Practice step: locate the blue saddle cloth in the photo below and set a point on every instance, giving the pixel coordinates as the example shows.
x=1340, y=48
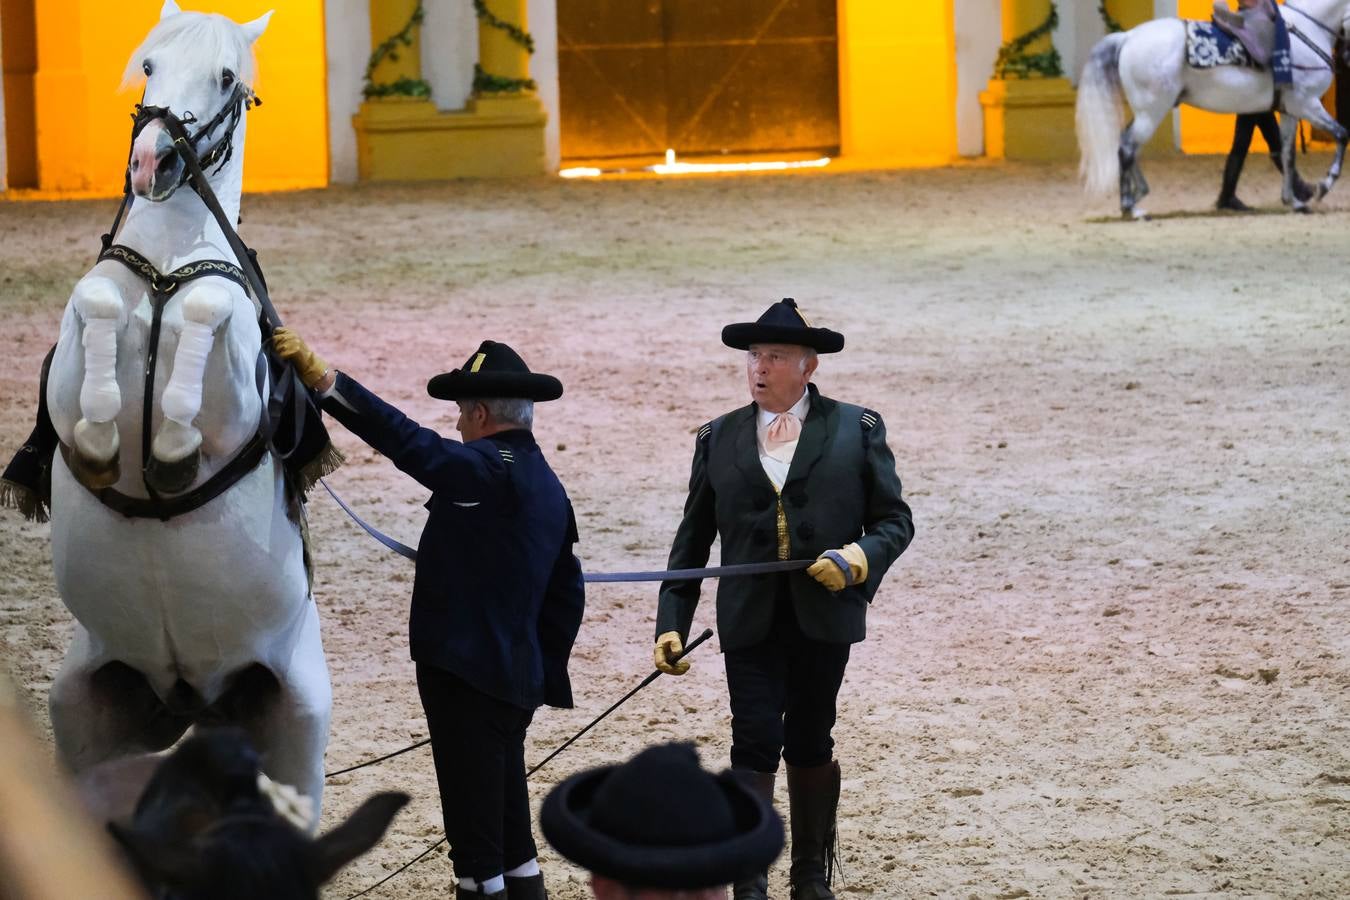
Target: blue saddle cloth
x=1207, y=46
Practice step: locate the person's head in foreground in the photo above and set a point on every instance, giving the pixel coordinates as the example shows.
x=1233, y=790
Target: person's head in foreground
x=660, y=827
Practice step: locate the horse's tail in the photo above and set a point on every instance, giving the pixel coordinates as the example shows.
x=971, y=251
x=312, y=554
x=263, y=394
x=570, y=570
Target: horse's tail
x=1101, y=116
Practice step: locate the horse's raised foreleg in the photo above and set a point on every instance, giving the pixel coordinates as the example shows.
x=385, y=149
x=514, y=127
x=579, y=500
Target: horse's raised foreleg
x=99, y=305
x=176, y=449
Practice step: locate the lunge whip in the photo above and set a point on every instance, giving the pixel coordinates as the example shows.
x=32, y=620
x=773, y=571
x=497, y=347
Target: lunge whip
x=657, y=673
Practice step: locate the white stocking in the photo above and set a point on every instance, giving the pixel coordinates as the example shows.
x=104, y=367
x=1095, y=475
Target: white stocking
x=182, y=398
x=100, y=397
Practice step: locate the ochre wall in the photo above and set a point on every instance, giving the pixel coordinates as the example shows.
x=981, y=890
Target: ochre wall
x=83, y=122
x=897, y=81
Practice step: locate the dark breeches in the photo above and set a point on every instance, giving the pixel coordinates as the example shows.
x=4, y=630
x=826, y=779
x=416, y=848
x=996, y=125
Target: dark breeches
x=783, y=693
x=1247, y=123
x=478, y=744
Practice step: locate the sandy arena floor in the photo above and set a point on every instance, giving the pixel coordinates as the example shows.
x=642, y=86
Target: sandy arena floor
x=1113, y=662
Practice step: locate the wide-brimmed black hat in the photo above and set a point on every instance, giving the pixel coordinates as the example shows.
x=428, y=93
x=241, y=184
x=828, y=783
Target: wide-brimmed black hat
x=494, y=371
x=782, y=323
x=661, y=821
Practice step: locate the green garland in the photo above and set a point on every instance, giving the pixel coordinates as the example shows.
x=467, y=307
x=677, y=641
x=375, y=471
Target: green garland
x=1014, y=61
x=519, y=35
x=485, y=82
x=1112, y=26
x=403, y=87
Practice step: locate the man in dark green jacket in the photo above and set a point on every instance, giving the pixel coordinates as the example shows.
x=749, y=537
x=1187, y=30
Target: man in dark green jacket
x=794, y=475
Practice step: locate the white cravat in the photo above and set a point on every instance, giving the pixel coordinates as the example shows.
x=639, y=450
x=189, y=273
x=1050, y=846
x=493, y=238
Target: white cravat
x=777, y=463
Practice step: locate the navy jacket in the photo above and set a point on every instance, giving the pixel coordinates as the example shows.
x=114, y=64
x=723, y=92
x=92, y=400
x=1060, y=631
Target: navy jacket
x=498, y=595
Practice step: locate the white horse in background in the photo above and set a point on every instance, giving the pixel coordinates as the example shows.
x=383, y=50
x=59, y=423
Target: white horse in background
x=1147, y=64
x=205, y=616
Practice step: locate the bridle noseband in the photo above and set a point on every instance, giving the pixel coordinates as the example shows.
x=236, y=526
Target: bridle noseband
x=241, y=99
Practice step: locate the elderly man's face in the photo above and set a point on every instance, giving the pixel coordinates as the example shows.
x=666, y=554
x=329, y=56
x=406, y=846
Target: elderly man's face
x=778, y=374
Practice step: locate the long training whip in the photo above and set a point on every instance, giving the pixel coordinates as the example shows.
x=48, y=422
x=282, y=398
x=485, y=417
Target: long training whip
x=656, y=673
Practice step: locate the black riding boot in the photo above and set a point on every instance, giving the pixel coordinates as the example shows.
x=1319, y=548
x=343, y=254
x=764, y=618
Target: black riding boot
x=813, y=793
x=526, y=887
x=1232, y=170
x=756, y=888
x=462, y=894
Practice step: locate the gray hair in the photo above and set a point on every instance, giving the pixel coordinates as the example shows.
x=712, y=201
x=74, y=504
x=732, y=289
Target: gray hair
x=808, y=354
x=510, y=411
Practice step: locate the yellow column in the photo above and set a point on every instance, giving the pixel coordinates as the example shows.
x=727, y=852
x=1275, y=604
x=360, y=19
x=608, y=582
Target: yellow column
x=498, y=53
x=1031, y=117
x=388, y=18
x=407, y=139
x=1021, y=17
x=882, y=45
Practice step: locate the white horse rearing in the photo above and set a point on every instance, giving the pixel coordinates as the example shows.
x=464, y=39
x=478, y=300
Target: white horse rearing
x=206, y=615
x=1148, y=65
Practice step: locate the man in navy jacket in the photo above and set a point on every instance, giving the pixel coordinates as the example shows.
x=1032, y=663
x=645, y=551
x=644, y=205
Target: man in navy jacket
x=497, y=598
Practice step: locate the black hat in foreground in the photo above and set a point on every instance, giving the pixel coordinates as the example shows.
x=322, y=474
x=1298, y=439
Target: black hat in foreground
x=494, y=371
x=782, y=323
x=661, y=821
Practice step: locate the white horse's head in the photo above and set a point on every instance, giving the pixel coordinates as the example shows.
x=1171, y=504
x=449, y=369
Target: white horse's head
x=196, y=66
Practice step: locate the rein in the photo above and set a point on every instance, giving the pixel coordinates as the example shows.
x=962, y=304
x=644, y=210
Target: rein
x=1308, y=42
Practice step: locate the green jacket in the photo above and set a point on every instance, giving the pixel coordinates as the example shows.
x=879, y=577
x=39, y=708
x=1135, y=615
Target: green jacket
x=842, y=487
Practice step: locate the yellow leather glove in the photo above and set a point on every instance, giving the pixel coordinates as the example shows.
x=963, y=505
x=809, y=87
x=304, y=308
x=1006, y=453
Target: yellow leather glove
x=669, y=646
x=308, y=365
x=837, y=569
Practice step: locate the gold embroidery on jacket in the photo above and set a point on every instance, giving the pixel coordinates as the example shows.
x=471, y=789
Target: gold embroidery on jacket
x=784, y=539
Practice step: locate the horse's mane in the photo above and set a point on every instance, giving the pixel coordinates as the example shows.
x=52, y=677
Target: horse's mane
x=209, y=40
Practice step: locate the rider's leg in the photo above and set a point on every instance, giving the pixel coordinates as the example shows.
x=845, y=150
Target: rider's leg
x=1237, y=157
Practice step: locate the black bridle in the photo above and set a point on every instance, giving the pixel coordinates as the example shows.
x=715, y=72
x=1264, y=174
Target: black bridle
x=241, y=100
x=286, y=391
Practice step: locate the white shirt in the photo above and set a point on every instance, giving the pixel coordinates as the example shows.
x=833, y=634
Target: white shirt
x=776, y=466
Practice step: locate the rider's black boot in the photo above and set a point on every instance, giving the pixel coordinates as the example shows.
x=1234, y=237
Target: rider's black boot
x=1232, y=170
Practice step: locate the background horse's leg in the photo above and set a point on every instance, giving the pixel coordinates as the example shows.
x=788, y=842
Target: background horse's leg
x=105, y=711
x=177, y=445
x=100, y=311
x=290, y=726
x=1133, y=186
x=1318, y=116
x=1288, y=152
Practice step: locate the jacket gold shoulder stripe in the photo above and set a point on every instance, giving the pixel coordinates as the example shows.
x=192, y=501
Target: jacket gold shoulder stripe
x=704, y=432
x=869, y=420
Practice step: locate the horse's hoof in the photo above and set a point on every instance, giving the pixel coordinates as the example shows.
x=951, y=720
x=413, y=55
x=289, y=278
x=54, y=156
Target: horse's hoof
x=94, y=456
x=172, y=477
x=175, y=456
x=1140, y=215
x=1302, y=208
x=95, y=474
